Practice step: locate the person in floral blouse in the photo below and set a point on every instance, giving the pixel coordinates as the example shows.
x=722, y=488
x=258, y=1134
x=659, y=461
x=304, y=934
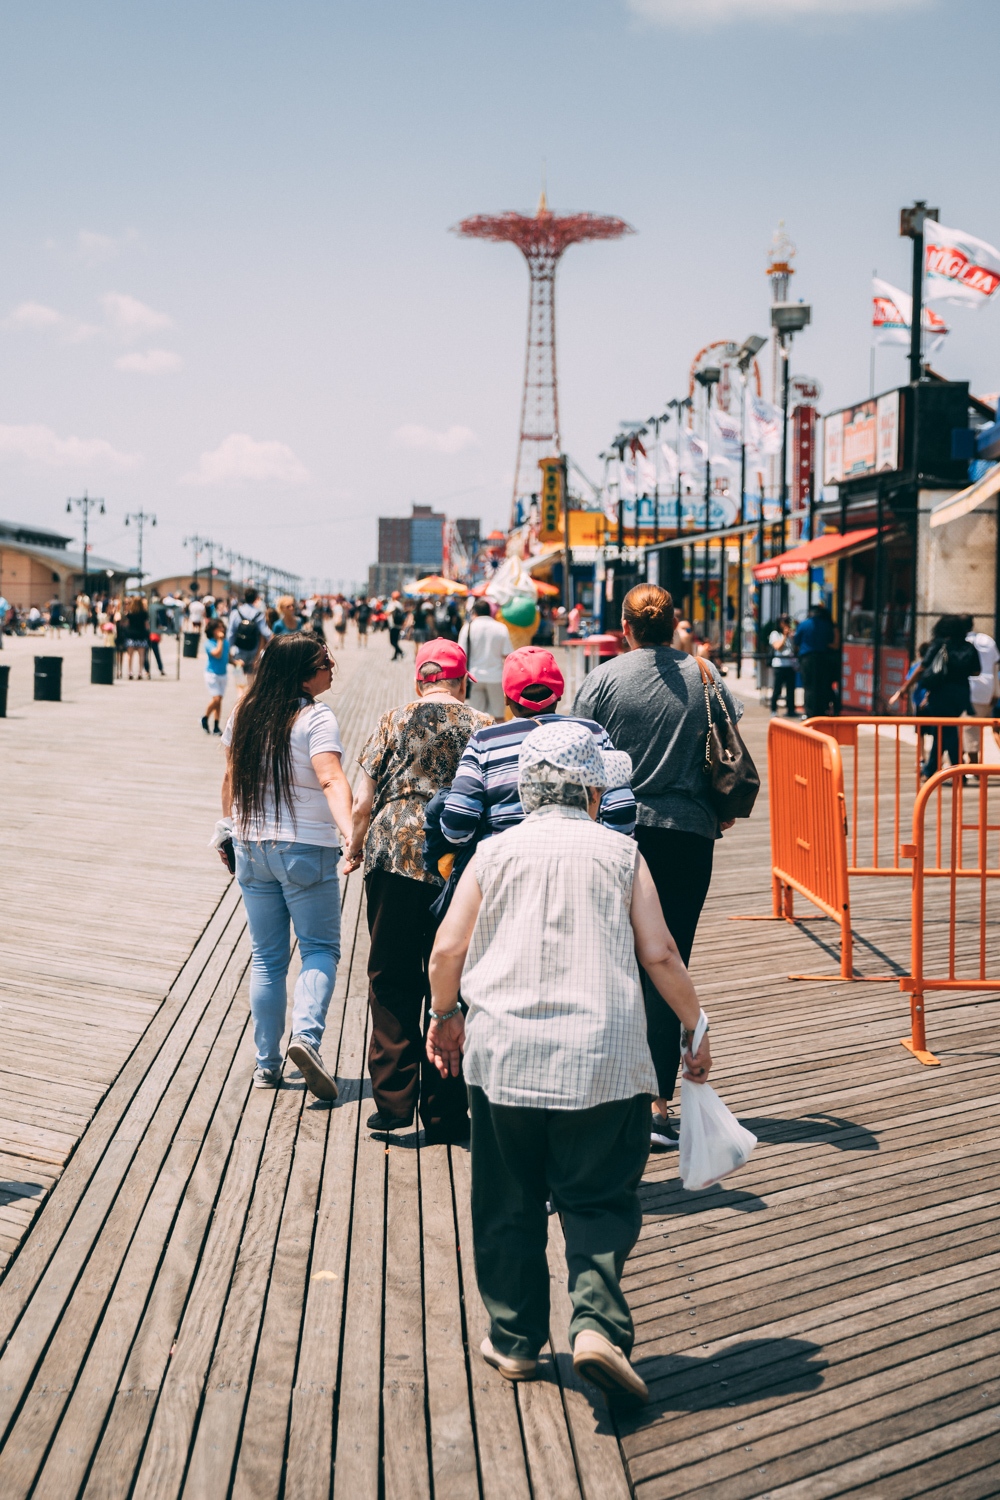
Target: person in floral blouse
x=412, y=753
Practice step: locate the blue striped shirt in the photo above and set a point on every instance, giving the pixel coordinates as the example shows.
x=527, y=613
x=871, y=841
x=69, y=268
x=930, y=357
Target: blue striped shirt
x=486, y=781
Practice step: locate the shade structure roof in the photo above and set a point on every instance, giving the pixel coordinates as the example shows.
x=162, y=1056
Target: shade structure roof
x=435, y=584
x=820, y=549
x=966, y=500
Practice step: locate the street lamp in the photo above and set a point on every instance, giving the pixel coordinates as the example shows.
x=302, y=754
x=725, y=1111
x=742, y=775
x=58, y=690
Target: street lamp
x=745, y=356
x=707, y=379
x=656, y=423
x=140, y=517
x=86, y=503
x=787, y=319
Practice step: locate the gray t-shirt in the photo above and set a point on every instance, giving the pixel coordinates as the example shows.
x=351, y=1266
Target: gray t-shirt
x=652, y=704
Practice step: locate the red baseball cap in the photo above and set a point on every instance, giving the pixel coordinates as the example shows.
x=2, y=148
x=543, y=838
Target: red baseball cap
x=448, y=655
x=532, y=666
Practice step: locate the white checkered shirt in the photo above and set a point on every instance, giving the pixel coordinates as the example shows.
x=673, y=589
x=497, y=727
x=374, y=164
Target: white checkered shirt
x=556, y=1018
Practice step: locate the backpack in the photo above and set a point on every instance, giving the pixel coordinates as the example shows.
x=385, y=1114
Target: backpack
x=954, y=661
x=246, y=636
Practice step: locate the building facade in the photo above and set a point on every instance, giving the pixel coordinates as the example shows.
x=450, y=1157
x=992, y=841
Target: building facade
x=38, y=565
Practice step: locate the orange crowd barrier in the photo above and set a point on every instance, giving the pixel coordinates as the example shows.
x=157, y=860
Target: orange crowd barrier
x=957, y=852
x=883, y=777
x=808, y=827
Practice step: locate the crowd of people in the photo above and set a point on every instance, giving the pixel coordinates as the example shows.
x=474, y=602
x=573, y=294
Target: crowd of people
x=528, y=986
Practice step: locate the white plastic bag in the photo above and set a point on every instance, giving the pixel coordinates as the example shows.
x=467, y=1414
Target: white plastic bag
x=713, y=1142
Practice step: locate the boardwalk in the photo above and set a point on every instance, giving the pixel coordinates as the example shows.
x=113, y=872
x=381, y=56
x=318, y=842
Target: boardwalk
x=235, y=1292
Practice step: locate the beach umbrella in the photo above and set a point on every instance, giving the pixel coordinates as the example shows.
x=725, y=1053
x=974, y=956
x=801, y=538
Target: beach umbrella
x=435, y=584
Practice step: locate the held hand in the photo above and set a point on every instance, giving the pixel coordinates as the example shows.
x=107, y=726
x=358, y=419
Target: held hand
x=222, y=856
x=352, y=860
x=445, y=1044
x=726, y=826
x=697, y=1066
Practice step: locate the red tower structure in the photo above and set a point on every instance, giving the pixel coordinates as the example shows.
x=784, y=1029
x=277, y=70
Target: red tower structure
x=542, y=239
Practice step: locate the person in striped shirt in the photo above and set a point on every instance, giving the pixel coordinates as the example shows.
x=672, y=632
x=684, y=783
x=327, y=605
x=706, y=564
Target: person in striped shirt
x=486, y=780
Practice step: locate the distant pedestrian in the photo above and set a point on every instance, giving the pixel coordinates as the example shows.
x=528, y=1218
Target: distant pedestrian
x=651, y=701
x=339, y=624
x=784, y=666
x=216, y=673
x=684, y=637
x=362, y=618
x=396, y=615
x=286, y=795
x=137, y=636
x=288, y=618
x=412, y=753
x=949, y=662
x=984, y=685
x=542, y=937
x=247, y=633
x=813, y=646
x=486, y=643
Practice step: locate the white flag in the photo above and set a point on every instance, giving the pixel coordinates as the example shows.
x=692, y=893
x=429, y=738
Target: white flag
x=668, y=465
x=958, y=267
x=892, y=313
x=763, y=422
x=627, y=477
x=646, y=473
x=726, y=440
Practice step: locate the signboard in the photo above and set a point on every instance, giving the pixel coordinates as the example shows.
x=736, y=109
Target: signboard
x=862, y=439
x=804, y=390
x=856, y=685
x=550, y=527
x=803, y=452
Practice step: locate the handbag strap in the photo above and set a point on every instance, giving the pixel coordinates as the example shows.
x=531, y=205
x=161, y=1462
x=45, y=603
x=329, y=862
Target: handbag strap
x=707, y=677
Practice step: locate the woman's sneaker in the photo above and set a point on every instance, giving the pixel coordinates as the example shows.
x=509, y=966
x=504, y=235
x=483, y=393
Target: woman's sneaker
x=309, y=1063
x=664, y=1133
x=266, y=1078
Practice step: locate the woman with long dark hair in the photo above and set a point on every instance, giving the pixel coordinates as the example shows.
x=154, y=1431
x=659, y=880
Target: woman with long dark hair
x=287, y=795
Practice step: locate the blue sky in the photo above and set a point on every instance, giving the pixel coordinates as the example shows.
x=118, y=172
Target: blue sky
x=228, y=292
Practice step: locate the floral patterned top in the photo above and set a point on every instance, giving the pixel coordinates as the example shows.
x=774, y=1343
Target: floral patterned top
x=412, y=753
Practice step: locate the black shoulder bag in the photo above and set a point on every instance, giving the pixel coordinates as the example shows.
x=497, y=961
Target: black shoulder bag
x=733, y=782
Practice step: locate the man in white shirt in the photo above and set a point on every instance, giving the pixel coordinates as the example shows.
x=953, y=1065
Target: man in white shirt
x=983, y=688
x=196, y=613
x=486, y=643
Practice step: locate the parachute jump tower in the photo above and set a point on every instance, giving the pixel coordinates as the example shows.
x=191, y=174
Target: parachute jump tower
x=542, y=239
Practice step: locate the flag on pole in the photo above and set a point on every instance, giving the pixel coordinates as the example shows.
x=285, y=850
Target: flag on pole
x=892, y=313
x=726, y=440
x=668, y=461
x=958, y=267
x=763, y=427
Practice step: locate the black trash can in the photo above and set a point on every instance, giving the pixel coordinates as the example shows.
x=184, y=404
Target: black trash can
x=191, y=641
x=102, y=665
x=4, y=677
x=48, y=679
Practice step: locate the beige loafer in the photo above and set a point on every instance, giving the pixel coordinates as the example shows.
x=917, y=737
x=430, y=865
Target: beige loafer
x=509, y=1365
x=598, y=1360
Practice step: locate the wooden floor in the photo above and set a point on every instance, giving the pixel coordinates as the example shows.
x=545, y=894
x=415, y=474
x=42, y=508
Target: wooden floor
x=236, y=1292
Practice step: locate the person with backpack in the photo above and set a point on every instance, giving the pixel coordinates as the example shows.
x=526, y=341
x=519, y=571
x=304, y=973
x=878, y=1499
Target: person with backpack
x=248, y=633
x=949, y=661
x=396, y=615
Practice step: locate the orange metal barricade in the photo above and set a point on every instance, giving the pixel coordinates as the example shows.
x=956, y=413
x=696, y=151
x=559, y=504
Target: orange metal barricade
x=883, y=780
x=808, y=826
x=962, y=864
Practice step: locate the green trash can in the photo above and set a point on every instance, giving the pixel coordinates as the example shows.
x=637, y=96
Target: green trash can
x=102, y=665
x=191, y=642
x=48, y=679
x=4, y=678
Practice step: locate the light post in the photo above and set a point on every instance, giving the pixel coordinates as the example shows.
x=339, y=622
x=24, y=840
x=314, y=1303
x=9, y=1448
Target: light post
x=787, y=319
x=140, y=517
x=748, y=352
x=911, y=226
x=198, y=545
x=86, y=504
x=679, y=406
x=707, y=378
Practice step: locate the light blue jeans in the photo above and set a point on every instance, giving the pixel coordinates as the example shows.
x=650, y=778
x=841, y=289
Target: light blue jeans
x=279, y=882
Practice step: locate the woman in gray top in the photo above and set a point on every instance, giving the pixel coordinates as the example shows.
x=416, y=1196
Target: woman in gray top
x=651, y=701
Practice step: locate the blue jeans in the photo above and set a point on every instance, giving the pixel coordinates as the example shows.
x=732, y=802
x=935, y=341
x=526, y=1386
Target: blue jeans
x=297, y=881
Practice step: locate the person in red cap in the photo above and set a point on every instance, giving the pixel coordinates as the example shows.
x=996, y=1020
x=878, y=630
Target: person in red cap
x=413, y=753
x=484, y=798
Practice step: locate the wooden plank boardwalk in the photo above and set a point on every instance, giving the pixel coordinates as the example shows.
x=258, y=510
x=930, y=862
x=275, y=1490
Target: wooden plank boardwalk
x=231, y=1292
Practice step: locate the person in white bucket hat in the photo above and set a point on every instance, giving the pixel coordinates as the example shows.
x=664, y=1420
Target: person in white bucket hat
x=542, y=937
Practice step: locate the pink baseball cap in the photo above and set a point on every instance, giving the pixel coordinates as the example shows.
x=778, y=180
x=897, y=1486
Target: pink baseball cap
x=448, y=655
x=532, y=666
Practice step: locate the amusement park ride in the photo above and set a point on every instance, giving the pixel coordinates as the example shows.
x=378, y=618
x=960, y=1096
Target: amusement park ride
x=542, y=239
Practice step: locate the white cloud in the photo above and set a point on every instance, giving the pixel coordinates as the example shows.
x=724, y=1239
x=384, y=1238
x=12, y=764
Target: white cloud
x=718, y=12
x=241, y=457
x=452, y=440
x=132, y=318
x=36, y=317
x=40, y=446
x=153, y=362
x=92, y=248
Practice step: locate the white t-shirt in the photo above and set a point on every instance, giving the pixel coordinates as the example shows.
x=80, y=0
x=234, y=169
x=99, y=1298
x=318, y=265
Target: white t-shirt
x=486, y=643
x=983, y=689
x=196, y=612
x=315, y=730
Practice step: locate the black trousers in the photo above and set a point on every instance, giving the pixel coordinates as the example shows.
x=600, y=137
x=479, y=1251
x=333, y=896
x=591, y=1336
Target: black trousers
x=402, y=935
x=817, y=677
x=681, y=867
x=394, y=633
x=784, y=682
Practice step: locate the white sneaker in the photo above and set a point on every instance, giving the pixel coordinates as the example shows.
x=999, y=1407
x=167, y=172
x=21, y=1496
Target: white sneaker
x=509, y=1365
x=601, y=1362
x=663, y=1133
